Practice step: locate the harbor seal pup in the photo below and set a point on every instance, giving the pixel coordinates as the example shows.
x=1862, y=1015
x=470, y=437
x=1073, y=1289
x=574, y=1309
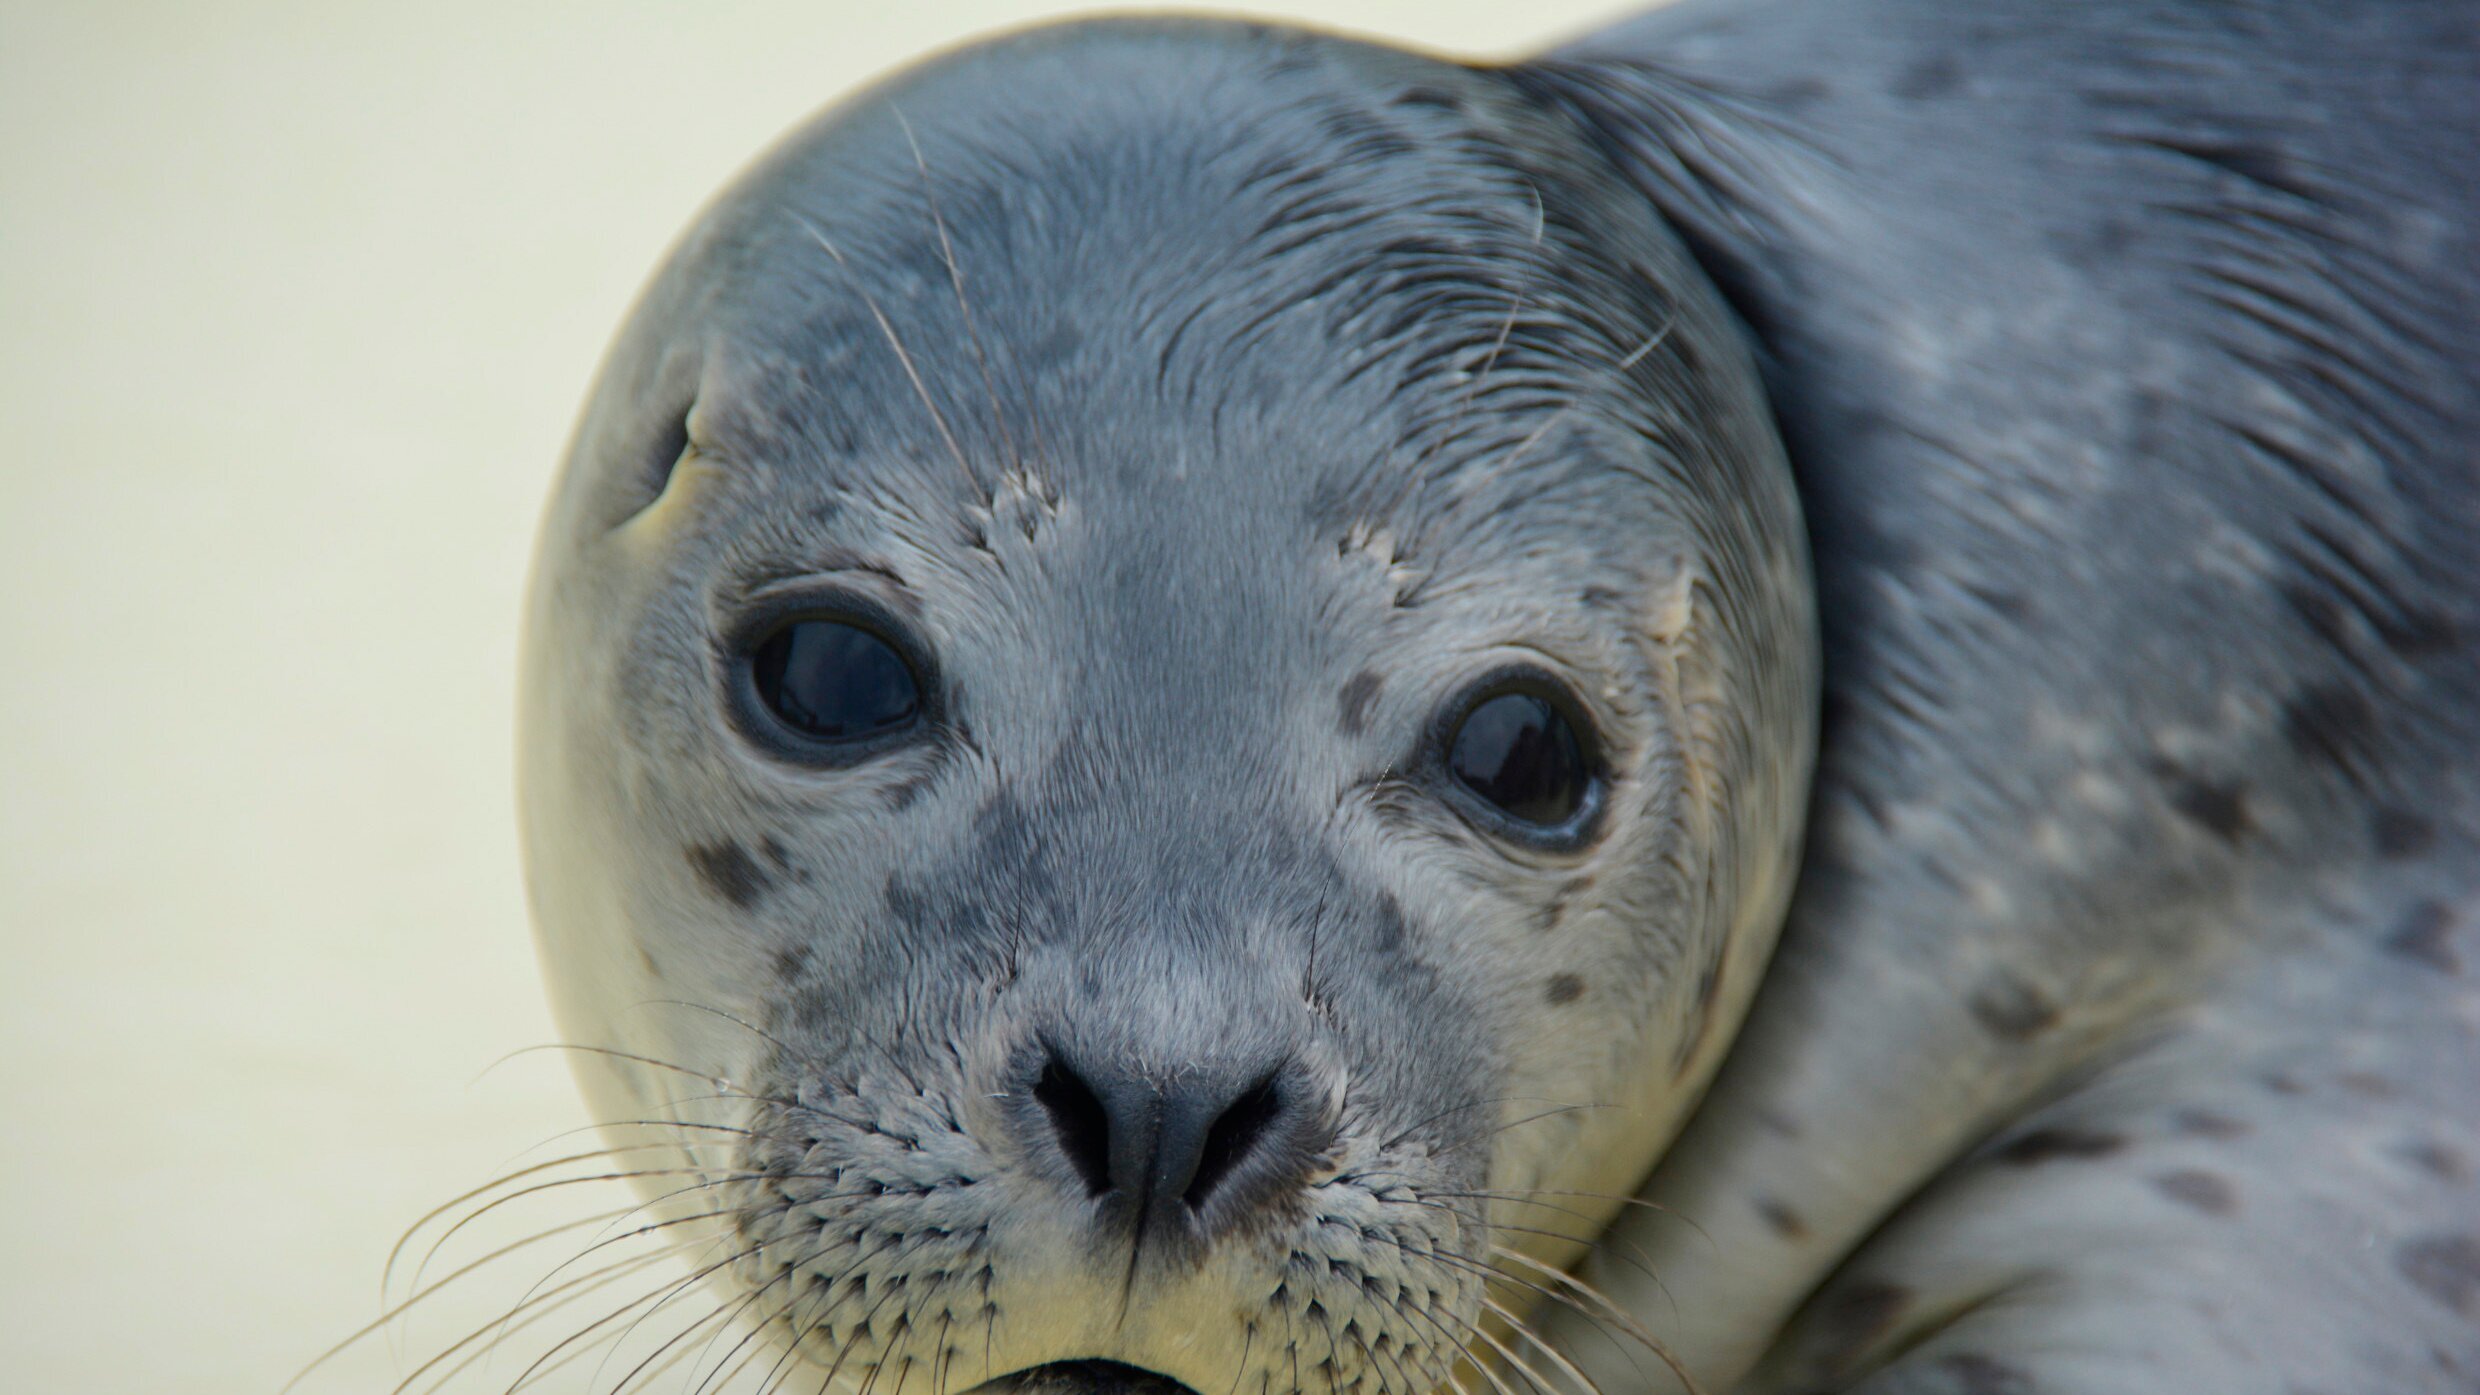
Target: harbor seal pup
x=1169, y=695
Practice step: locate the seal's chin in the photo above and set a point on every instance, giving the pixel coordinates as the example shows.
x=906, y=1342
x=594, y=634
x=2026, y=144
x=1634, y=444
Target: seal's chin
x=1083, y=1378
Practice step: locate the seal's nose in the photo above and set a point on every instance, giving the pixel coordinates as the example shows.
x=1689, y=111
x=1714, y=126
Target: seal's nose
x=1196, y=1149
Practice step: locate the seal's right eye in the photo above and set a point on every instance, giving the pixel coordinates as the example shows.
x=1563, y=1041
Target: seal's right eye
x=1517, y=752
x=826, y=682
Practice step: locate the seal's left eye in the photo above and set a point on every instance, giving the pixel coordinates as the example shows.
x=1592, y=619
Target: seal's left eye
x=833, y=682
x=1519, y=752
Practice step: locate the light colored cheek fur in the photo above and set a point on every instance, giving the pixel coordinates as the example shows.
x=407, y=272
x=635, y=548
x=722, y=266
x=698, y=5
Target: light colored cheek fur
x=1630, y=990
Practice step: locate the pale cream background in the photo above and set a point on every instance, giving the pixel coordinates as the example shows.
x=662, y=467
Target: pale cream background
x=296, y=303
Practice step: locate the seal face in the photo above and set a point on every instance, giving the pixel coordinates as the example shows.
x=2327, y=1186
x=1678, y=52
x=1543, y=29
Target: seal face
x=1167, y=701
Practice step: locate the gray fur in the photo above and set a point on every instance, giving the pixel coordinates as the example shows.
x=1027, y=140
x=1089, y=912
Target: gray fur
x=1218, y=399
x=2129, y=358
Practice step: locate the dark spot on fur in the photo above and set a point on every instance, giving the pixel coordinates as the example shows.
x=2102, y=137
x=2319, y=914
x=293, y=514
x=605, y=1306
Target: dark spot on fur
x=2319, y=611
x=1854, y=1317
x=1976, y=1374
x=2424, y=938
x=2368, y=1083
x=2419, y=633
x=2446, y=1268
x=2220, y=808
x=1708, y=989
x=2011, y=1008
x=1600, y=598
x=2399, y=833
x=730, y=872
x=1001, y=819
x=1354, y=702
x=1784, y=1221
x=2005, y=603
x=1565, y=988
x=1427, y=97
x=791, y=961
x=2199, y=1191
x=2331, y=724
x=2265, y=166
x=1061, y=343
x=2105, y=242
x=900, y=796
x=2435, y=1159
x=2050, y=1145
x=1568, y=891
x=2204, y=1123
x=905, y=904
x=1391, y=931
x=1798, y=92
x=1931, y=77
x=645, y=956
x=2409, y=631
x=2284, y=1083
x=773, y=848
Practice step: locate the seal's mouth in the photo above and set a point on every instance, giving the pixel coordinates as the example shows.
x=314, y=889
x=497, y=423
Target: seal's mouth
x=1083, y=1378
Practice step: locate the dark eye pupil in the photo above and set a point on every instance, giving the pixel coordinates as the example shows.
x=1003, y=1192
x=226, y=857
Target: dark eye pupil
x=1517, y=752
x=834, y=682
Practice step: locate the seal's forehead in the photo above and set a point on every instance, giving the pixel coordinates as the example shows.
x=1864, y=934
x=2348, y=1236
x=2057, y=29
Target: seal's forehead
x=1175, y=260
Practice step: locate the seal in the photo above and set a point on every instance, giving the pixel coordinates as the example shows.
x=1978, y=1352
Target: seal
x=1171, y=692
x=1177, y=823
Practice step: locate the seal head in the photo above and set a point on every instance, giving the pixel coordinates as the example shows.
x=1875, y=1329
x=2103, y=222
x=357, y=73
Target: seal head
x=1167, y=701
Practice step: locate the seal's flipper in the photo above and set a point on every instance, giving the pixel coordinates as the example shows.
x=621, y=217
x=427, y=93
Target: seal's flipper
x=2126, y=354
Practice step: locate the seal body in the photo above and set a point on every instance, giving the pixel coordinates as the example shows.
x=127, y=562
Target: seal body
x=1212, y=426
x=2122, y=1037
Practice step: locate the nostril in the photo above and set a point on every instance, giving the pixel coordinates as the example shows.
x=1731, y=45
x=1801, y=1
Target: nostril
x=1080, y=1121
x=1232, y=1138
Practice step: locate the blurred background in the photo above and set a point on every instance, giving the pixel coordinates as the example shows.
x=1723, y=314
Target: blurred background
x=297, y=302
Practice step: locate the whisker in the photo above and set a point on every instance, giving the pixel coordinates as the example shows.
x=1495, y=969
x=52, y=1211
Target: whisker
x=1472, y=386
x=538, y=1188
x=1628, y=1321
x=400, y=1309
x=827, y=1299
x=1491, y=1274
x=1523, y=1331
x=549, y=1368
x=955, y=278
x=1418, y=1125
x=732, y=1312
x=1638, y=1202
x=1659, y=334
x=659, y=1297
x=616, y=1054
x=793, y=1346
x=756, y=1031
x=1639, y=1260
x=912, y=374
x=543, y=1306
x=388, y=1273
x=1601, y=1238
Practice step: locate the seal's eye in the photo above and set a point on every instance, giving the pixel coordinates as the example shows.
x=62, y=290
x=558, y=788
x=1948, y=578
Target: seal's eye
x=1519, y=752
x=832, y=682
